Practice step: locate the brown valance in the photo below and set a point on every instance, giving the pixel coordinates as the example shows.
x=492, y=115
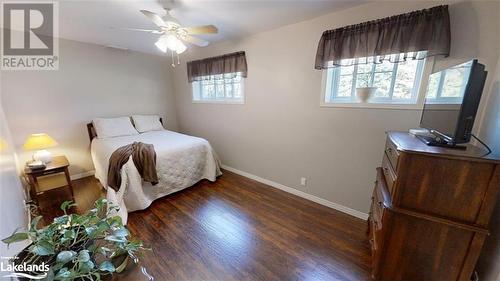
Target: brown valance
x=229, y=64
x=414, y=35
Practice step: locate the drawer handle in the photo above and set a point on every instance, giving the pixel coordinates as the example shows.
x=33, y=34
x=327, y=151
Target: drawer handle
x=386, y=170
x=379, y=203
x=389, y=150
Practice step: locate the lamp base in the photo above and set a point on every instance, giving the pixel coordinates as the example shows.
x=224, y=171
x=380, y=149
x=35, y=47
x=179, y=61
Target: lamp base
x=43, y=155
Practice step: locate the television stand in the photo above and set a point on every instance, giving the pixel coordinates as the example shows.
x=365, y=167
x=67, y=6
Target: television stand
x=436, y=141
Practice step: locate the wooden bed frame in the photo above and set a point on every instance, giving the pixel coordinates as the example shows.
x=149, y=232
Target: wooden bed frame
x=93, y=134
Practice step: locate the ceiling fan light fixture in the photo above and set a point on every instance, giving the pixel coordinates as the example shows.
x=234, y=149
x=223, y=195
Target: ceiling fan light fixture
x=161, y=44
x=180, y=48
x=173, y=43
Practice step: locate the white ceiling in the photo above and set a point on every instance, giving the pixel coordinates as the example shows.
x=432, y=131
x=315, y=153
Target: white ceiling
x=93, y=21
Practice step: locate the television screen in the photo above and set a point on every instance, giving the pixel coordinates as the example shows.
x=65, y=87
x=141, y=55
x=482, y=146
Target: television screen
x=452, y=99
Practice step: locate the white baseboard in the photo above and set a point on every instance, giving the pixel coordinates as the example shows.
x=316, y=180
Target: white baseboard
x=299, y=193
x=82, y=175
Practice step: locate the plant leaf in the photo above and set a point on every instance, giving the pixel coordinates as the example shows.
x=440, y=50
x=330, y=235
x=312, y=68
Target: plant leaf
x=91, y=230
x=107, y=266
x=69, y=234
x=43, y=248
x=16, y=237
x=66, y=205
x=115, y=221
x=62, y=274
x=103, y=250
x=83, y=256
x=34, y=223
x=62, y=220
x=113, y=238
x=122, y=266
x=65, y=256
x=121, y=232
x=50, y=275
x=86, y=266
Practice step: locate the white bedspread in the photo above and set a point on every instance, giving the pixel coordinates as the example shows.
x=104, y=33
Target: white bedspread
x=181, y=161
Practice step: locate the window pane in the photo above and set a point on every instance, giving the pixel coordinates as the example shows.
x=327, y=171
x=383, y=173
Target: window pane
x=237, y=78
x=346, y=70
x=364, y=68
x=394, y=81
x=208, y=91
x=363, y=80
x=452, y=84
x=383, y=83
x=347, y=62
x=405, y=79
x=237, y=92
x=384, y=66
x=221, y=87
x=345, y=86
x=229, y=91
x=432, y=88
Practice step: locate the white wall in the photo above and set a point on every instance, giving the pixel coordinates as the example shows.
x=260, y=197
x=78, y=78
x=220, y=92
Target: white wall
x=13, y=213
x=92, y=81
x=282, y=133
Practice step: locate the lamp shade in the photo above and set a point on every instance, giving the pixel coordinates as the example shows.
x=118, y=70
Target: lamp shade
x=3, y=145
x=39, y=141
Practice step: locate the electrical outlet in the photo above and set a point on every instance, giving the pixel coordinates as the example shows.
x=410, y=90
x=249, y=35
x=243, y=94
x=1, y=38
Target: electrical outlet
x=303, y=181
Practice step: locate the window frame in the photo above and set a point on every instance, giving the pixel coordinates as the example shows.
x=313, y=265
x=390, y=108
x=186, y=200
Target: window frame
x=196, y=86
x=417, y=102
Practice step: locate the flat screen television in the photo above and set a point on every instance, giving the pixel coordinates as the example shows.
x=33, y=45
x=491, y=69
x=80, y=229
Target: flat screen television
x=451, y=103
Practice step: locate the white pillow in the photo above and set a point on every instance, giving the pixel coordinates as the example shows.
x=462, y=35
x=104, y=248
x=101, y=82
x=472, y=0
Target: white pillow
x=146, y=123
x=114, y=127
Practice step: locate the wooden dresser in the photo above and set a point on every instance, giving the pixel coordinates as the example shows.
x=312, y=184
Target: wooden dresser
x=430, y=210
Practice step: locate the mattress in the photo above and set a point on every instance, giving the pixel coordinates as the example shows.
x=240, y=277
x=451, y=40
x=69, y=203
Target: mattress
x=181, y=161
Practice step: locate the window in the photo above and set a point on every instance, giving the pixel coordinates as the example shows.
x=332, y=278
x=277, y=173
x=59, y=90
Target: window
x=397, y=83
x=222, y=88
x=448, y=86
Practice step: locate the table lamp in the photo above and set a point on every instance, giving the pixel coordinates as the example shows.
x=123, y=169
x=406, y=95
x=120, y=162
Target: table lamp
x=40, y=142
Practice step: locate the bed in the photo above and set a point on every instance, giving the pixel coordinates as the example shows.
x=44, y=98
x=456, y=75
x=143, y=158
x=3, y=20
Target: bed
x=181, y=161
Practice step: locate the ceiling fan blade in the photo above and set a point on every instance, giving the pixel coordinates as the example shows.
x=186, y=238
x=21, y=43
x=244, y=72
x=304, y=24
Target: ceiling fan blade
x=153, y=31
x=154, y=17
x=195, y=41
x=203, y=29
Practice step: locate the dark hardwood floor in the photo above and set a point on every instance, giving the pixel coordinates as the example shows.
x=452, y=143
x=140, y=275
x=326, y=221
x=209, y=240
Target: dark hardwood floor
x=240, y=229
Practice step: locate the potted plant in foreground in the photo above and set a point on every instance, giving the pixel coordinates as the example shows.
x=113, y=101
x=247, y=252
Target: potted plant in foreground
x=92, y=246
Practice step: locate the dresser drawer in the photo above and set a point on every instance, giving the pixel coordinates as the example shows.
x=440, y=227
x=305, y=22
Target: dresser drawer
x=389, y=174
x=392, y=153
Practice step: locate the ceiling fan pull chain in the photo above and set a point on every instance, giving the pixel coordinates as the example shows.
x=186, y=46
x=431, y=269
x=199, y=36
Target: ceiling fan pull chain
x=178, y=59
x=173, y=60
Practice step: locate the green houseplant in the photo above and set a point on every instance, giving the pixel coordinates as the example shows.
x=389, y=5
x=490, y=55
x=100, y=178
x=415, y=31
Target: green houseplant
x=92, y=246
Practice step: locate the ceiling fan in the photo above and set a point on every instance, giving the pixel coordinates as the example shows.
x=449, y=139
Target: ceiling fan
x=173, y=35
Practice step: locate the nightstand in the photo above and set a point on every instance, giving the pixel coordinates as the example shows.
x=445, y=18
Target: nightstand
x=59, y=164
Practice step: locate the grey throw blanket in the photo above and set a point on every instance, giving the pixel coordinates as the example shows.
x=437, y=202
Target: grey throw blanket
x=144, y=157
